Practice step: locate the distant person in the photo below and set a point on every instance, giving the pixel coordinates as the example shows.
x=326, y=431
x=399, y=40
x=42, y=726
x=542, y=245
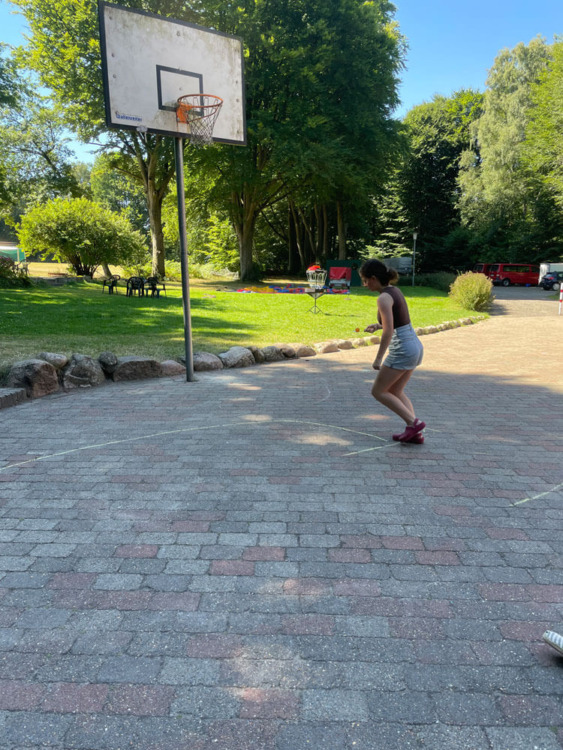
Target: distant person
x=405, y=349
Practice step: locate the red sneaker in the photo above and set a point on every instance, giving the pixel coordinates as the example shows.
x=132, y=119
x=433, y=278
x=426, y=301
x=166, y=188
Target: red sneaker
x=410, y=431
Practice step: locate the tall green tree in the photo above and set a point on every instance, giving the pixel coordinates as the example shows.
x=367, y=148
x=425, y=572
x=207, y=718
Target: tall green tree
x=422, y=196
x=543, y=146
x=63, y=48
x=321, y=79
x=500, y=200
x=438, y=133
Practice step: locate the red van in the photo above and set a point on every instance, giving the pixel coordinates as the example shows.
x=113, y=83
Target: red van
x=482, y=268
x=514, y=273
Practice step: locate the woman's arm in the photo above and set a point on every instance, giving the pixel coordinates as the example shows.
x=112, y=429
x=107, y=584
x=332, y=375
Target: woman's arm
x=385, y=307
x=373, y=328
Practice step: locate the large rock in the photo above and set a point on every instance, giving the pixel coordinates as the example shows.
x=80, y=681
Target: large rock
x=57, y=360
x=36, y=376
x=237, y=356
x=205, y=361
x=170, y=368
x=344, y=344
x=326, y=347
x=272, y=354
x=136, y=368
x=287, y=350
x=108, y=361
x=258, y=354
x=303, y=350
x=82, y=372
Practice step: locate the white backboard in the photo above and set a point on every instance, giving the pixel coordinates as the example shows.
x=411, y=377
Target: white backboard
x=149, y=61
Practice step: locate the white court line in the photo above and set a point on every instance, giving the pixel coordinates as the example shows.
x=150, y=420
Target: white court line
x=537, y=497
x=245, y=423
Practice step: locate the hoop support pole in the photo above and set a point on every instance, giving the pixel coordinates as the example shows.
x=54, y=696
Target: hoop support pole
x=179, y=159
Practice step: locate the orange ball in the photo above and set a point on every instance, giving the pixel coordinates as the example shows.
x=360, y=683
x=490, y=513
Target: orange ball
x=357, y=330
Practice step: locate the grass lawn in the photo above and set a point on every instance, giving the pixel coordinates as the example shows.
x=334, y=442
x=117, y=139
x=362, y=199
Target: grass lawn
x=79, y=318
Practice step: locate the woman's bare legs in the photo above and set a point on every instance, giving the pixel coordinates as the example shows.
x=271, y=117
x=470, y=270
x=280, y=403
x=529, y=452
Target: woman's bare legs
x=388, y=389
x=398, y=389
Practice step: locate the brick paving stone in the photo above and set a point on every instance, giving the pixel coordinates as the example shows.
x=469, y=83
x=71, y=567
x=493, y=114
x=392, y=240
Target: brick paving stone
x=16, y=695
x=310, y=592
x=72, y=698
x=334, y=705
x=140, y=700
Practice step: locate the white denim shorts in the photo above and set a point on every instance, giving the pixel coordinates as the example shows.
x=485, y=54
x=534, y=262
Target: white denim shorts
x=405, y=350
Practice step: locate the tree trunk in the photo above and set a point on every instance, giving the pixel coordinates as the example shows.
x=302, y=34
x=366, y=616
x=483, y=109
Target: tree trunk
x=341, y=232
x=244, y=221
x=293, y=255
x=325, y=232
x=154, y=203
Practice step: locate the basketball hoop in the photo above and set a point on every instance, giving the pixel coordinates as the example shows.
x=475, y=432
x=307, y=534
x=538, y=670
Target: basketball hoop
x=199, y=112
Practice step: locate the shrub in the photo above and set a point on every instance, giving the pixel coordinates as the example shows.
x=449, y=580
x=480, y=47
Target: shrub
x=11, y=274
x=473, y=291
x=79, y=232
x=441, y=280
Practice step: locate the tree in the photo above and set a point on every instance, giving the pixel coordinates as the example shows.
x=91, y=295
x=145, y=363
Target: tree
x=321, y=78
x=79, y=232
x=35, y=154
x=543, y=147
x=64, y=50
x=118, y=192
x=437, y=132
x=501, y=201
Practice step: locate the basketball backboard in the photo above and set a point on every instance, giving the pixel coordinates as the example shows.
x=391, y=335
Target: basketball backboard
x=149, y=61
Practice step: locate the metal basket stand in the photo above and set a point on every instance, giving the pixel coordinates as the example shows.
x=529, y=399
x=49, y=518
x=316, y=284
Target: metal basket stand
x=316, y=280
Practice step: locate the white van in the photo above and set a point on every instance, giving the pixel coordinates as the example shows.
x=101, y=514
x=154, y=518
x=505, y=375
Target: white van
x=546, y=267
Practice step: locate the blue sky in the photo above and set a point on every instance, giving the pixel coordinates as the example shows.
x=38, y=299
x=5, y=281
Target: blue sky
x=452, y=43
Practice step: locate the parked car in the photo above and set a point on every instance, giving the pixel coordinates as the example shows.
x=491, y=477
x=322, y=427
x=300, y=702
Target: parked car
x=482, y=268
x=514, y=273
x=552, y=280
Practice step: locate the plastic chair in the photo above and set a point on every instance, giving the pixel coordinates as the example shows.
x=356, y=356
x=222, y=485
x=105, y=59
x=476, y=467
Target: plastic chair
x=154, y=286
x=135, y=284
x=111, y=284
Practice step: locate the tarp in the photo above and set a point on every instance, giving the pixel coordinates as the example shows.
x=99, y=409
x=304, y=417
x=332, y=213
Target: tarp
x=14, y=253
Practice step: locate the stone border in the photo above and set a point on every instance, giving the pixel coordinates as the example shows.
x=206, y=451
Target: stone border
x=50, y=373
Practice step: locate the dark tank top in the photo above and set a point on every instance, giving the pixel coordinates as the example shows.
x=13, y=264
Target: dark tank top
x=401, y=315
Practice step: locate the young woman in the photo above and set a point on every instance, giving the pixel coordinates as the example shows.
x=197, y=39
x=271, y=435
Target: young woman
x=405, y=350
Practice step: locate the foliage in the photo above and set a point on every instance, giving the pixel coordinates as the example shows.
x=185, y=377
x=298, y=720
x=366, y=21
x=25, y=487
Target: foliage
x=501, y=200
x=474, y=291
x=321, y=85
x=35, y=155
x=79, y=232
x=441, y=280
x=543, y=146
x=438, y=133
x=119, y=192
x=11, y=274
x=63, y=48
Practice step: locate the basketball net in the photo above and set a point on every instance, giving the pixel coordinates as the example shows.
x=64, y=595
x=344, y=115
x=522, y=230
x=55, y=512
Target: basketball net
x=199, y=112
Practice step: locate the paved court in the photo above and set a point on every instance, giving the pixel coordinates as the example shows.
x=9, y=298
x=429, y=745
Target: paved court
x=250, y=563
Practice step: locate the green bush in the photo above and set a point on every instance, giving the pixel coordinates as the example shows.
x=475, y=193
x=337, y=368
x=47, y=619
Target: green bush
x=11, y=275
x=79, y=232
x=473, y=291
x=441, y=280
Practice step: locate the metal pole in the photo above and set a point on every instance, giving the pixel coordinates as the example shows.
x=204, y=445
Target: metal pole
x=414, y=236
x=179, y=158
